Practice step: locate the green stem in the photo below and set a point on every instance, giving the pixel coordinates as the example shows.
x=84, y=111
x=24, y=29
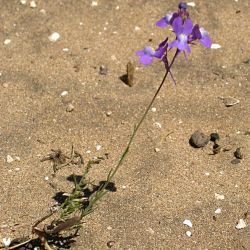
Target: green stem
x=99, y=193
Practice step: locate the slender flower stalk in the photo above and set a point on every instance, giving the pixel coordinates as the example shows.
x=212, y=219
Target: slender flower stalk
x=186, y=34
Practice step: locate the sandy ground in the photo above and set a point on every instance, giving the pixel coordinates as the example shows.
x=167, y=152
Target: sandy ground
x=156, y=191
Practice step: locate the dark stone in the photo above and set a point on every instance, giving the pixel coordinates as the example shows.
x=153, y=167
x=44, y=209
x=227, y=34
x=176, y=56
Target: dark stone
x=214, y=137
x=199, y=139
x=238, y=154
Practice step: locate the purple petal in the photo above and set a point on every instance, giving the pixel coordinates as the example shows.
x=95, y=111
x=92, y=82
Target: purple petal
x=146, y=59
x=196, y=34
x=164, y=43
x=140, y=52
x=188, y=27
x=165, y=21
x=149, y=51
x=173, y=44
x=205, y=40
x=177, y=25
x=160, y=52
x=162, y=23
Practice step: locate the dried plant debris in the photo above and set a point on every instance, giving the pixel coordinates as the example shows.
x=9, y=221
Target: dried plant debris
x=61, y=160
x=229, y=101
x=130, y=73
x=68, y=216
x=128, y=78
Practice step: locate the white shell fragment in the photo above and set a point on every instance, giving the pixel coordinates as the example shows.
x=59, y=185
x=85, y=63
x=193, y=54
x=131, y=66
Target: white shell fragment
x=241, y=224
x=23, y=2
x=217, y=211
x=64, y=93
x=9, y=159
x=98, y=147
x=229, y=101
x=7, y=41
x=54, y=37
x=153, y=109
x=219, y=196
x=188, y=223
x=94, y=3
x=189, y=233
x=215, y=46
x=157, y=125
x=192, y=4
x=6, y=241
x=32, y=4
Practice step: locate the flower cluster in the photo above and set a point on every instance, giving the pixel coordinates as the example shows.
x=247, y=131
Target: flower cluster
x=186, y=33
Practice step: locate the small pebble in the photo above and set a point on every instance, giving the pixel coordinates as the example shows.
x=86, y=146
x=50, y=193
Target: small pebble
x=103, y=70
x=189, y=233
x=110, y=243
x=207, y=174
x=236, y=161
x=137, y=28
x=153, y=109
x=188, y=223
x=64, y=93
x=215, y=46
x=238, y=154
x=46, y=178
x=109, y=228
x=17, y=169
x=88, y=152
x=54, y=37
x=32, y=4
x=219, y=196
x=7, y=41
x=108, y=113
x=98, y=147
x=9, y=159
x=23, y=2
x=198, y=139
x=241, y=224
x=217, y=211
x=157, y=150
x=70, y=107
x=214, y=137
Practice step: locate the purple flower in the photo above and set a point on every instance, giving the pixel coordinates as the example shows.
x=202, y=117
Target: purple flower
x=202, y=35
x=182, y=31
x=148, y=53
